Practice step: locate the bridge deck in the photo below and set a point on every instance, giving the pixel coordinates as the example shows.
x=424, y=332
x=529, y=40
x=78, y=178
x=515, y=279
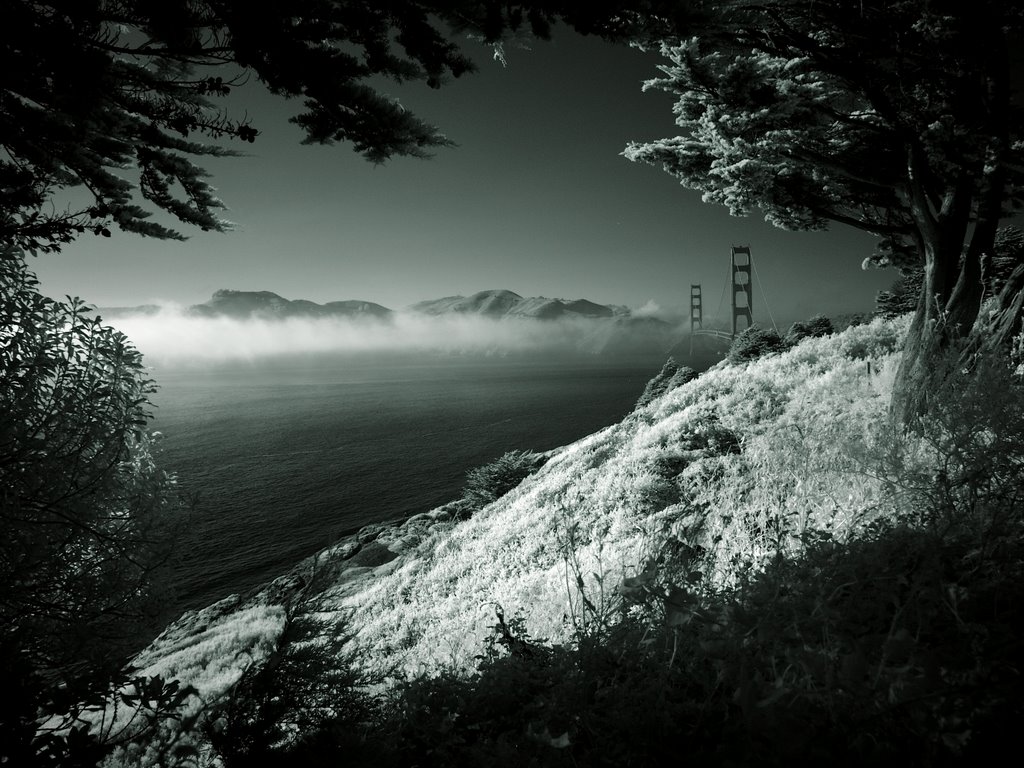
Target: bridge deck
x=715, y=333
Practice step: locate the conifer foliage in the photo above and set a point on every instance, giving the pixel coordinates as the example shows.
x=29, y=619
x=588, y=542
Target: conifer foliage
x=90, y=89
x=897, y=118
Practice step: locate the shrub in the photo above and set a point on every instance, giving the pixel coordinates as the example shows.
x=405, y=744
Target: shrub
x=308, y=699
x=962, y=463
x=902, y=296
x=670, y=376
x=85, y=511
x=755, y=342
x=819, y=325
x=492, y=481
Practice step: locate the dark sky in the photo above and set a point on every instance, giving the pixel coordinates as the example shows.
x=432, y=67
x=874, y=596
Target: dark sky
x=535, y=199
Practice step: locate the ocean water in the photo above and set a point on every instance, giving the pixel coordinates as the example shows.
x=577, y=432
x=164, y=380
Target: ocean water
x=287, y=458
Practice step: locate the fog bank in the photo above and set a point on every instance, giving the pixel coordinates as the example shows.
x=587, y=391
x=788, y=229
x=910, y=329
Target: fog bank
x=173, y=336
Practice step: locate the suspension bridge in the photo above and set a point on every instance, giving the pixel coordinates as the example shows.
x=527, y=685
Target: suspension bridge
x=742, y=274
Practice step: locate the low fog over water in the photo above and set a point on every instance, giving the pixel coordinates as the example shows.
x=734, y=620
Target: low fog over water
x=171, y=336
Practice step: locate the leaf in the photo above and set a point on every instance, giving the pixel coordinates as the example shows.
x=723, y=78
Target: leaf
x=853, y=666
x=561, y=742
x=678, y=607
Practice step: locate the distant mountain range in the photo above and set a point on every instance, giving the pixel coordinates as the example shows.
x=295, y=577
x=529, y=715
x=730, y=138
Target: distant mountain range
x=246, y=304
x=243, y=305
x=576, y=325
x=508, y=304
x=493, y=304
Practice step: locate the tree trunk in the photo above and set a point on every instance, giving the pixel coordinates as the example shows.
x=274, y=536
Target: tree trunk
x=947, y=308
x=1006, y=322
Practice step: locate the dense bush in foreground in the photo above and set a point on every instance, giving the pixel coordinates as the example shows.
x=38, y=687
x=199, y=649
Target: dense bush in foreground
x=900, y=646
x=86, y=518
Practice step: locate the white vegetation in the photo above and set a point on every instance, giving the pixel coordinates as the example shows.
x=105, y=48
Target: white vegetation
x=806, y=431
x=209, y=653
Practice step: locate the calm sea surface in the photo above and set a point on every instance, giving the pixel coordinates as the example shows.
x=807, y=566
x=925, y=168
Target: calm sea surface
x=286, y=458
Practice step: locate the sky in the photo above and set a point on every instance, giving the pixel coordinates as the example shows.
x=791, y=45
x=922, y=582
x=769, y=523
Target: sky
x=536, y=199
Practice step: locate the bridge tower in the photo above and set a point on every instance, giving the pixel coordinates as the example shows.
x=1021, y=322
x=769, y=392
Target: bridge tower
x=696, y=313
x=696, y=308
x=742, y=287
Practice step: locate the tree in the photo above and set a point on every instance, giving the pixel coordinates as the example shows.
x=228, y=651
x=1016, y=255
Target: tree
x=83, y=507
x=755, y=342
x=813, y=327
x=92, y=88
x=670, y=376
x=897, y=118
x=307, y=703
x=492, y=481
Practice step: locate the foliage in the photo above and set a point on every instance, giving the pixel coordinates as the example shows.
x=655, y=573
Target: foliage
x=783, y=110
x=997, y=267
x=491, y=481
x=895, y=118
x=83, y=505
x=1007, y=255
x=306, y=699
x=966, y=463
x=86, y=513
x=819, y=325
x=670, y=376
x=112, y=715
x=755, y=342
x=903, y=295
x=898, y=645
x=92, y=88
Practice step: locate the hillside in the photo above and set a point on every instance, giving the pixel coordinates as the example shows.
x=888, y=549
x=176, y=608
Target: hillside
x=502, y=303
x=246, y=304
x=728, y=444
x=494, y=304
x=248, y=325
x=683, y=518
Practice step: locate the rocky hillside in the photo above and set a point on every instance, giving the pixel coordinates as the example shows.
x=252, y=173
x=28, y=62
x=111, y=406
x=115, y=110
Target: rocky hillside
x=784, y=437
x=671, y=519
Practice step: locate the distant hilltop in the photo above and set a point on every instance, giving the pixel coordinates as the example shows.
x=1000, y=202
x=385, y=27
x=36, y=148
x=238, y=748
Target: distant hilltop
x=508, y=304
x=493, y=304
x=246, y=304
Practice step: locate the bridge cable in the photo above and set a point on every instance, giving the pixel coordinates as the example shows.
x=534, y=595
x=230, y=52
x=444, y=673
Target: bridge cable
x=721, y=299
x=763, y=297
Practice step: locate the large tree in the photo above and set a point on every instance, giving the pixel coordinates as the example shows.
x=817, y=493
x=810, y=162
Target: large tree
x=118, y=100
x=894, y=116
x=897, y=117
x=118, y=97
